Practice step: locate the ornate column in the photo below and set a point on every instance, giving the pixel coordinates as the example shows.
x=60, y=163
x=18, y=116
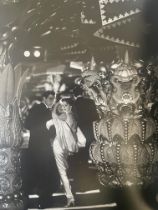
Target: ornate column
x=126, y=148
x=10, y=137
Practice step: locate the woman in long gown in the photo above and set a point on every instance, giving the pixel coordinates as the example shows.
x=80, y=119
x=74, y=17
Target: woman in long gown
x=65, y=142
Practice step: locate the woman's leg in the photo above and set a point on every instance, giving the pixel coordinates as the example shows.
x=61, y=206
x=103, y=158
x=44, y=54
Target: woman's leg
x=62, y=164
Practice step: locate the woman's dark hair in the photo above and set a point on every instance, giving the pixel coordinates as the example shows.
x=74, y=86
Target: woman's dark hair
x=68, y=100
x=47, y=93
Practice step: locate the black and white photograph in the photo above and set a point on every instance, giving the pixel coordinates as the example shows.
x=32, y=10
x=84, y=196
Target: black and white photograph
x=79, y=104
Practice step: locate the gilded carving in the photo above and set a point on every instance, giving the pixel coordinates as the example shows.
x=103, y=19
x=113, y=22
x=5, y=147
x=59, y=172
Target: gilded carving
x=126, y=149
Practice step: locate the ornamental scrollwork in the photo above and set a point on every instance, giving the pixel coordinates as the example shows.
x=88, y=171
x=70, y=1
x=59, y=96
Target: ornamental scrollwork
x=126, y=147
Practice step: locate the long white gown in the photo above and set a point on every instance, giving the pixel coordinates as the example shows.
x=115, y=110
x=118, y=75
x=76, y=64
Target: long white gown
x=65, y=142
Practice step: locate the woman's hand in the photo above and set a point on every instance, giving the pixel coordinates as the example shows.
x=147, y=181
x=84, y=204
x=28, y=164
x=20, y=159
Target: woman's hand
x=49, y=124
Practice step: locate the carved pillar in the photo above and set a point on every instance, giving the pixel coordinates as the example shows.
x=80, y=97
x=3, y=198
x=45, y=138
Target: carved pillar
x=10, y=139
x=126, y=150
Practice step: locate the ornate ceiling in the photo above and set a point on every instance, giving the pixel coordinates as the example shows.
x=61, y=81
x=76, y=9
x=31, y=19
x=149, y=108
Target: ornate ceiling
x=74, y=29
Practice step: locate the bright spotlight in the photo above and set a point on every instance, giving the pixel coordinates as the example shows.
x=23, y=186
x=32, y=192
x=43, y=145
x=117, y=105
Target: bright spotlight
x=37, y=53
x=27, y=53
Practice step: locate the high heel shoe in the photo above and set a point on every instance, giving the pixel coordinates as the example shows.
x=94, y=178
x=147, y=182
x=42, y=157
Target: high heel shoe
x=70, y=202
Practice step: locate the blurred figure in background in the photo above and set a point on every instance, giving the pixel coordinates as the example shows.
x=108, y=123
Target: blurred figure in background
x=42, y=174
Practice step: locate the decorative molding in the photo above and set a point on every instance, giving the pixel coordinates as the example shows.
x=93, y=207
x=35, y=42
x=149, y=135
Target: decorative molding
x=84, y=20
x=69, y=46
x=117, y=40
x=103, y=32
x=120, y=17
x=77, y=52
x=115, y=18
x=105, y=2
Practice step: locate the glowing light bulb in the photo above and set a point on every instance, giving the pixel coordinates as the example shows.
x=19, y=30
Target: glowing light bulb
x=37, y=53
x=27, y=53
